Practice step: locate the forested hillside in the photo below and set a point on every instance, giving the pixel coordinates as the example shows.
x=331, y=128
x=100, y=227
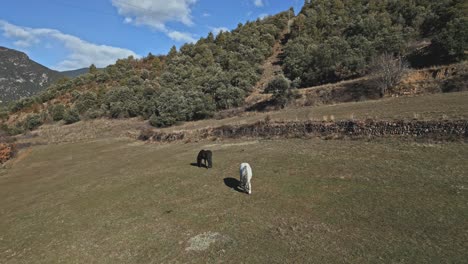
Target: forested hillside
x=338, y=39
x=215, y=73
x=328, y=41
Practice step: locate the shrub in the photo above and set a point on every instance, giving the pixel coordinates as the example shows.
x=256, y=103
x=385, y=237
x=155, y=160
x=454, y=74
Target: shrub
x=14, y=130
x=32, y=122
x=162, y=121
x=57, y=112
x=387, y=71
x=85, y=102
x=3, y=115
x=122, y=102
x=71, y=116
x=123, y=109
x=94, y=113
x=282, y=91
x=6, y=152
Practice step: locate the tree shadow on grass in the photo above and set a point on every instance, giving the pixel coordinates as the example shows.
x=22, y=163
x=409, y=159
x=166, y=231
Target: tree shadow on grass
x=263, y=106
x=233, y=184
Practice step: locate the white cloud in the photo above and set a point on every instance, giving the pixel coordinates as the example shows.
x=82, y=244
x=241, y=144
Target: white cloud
x=156, y=13
x=181, y=36
x=81, y=53
x=22, y=43
x=24, y=38
x=258, y=3
x=206, y=15
x=217, y=30
x=262, y=16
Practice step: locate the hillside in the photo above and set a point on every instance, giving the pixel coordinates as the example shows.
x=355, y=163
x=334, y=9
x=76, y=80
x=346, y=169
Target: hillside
x=192, y=83
x=338, y=40
x=75, y=73
x=22, y=77
x=326, y=43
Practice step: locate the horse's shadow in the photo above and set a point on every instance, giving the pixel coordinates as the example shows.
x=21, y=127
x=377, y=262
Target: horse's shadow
x=196, y=165
x=233, y=184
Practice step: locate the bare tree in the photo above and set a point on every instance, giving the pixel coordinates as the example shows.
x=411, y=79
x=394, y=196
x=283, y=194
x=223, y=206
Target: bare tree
x=387, y=71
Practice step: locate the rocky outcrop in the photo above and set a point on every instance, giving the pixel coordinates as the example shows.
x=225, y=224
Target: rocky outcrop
x=434, y=80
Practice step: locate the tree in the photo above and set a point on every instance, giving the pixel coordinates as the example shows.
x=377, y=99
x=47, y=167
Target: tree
x=32, y=122
x=282, y=91
x=71, y=116
x=162, y=121
x=387, y=72
x=86, y=101
x=57, y=112
x=93, y=69
x=172, y=53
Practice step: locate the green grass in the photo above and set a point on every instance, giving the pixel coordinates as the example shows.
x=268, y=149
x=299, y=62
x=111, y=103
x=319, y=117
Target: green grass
x=121, y=201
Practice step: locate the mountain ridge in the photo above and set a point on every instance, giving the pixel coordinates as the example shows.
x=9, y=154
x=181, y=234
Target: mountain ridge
x=22, y=77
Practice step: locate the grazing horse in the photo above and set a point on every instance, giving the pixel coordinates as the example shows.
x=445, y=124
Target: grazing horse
x=206, y=157
x=245, y=177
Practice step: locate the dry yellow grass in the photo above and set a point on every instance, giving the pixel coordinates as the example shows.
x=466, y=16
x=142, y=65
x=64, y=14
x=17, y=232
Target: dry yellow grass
x=428, y=107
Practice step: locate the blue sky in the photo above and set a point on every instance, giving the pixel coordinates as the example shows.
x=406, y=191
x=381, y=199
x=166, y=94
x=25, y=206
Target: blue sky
x=67, y=34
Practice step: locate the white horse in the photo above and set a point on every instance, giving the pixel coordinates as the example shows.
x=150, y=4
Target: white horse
x=245, y=177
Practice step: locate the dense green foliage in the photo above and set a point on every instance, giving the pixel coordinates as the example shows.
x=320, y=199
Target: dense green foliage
x=71, y=116
x=57, y=112
x=213, y=74
x=336, y=40
x=32, y=122
x=282, y=89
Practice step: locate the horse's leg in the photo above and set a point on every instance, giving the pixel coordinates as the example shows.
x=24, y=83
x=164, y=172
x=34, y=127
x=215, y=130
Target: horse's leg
x=242, y=182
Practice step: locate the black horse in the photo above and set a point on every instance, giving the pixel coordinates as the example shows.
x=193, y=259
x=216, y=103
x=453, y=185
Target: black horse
x=205, y=156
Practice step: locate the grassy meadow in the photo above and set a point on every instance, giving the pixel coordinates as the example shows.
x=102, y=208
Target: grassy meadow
x=313, y=201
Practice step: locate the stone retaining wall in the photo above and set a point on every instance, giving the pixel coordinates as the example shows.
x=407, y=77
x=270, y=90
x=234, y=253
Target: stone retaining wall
x=432, y=130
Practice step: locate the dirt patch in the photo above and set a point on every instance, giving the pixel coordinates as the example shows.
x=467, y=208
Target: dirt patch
x=434, y=80
x=21, y=156
x=203, y=241
x=86, y=131
x=270, y=69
